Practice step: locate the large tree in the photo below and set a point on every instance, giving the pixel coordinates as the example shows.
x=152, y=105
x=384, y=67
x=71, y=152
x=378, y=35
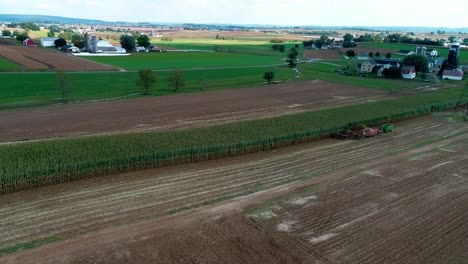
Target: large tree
x=146, y=80
x=60, y=42
x=143, y=41
x=292, y=57
x=22, y=36
x=418, y=61
x=78, y=40
x=465, y=41
x=348, y=37
x=127, y=42
x=269, y=76
x=6, y=33
x=176, y=80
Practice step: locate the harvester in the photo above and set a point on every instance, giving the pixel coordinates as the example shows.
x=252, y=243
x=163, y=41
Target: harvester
x=362, y=131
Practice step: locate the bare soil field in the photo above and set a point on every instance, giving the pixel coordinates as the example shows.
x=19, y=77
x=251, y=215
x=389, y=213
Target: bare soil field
x=395, y=198
x=323, y=54
x=358, y=50
x=170, y=112
x=35, y=58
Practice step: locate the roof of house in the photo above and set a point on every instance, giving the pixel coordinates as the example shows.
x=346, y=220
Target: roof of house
x=405, y=51
x=391, y=62
x=453, y=73
x=49, y=39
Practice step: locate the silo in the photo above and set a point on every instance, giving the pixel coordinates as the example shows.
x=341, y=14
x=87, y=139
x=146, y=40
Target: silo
x=87, y=42
x=94, y=42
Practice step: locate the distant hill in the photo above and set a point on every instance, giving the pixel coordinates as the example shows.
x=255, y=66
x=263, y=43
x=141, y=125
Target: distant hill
x=13, y=18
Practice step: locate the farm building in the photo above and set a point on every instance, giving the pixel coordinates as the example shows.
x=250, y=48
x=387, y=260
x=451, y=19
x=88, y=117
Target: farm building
x=105, y=47
x=141, y=49
x=408, y=72
x=29, y=42
x=70, y=49
x=367, y=67
x=388, y=63
x=405, y=52
x=48, y=42
x=363, y=57
x=456, y=75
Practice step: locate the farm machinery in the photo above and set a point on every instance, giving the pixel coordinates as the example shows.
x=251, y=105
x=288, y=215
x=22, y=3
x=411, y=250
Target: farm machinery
x=362, y=131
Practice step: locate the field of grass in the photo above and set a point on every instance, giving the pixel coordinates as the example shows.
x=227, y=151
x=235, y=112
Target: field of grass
x=23, y=89
x=186, y=60
x=30, y=165
x=6, y=65
x=443, y=51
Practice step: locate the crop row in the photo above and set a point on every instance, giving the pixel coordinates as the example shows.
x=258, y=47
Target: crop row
x=30, y=165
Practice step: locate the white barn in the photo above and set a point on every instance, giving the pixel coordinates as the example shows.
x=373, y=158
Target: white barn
x=48, y=42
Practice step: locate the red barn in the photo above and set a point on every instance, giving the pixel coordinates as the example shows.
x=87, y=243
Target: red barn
x=29, y=42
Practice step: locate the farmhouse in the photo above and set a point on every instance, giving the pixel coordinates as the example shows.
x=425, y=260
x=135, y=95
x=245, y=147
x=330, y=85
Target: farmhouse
x=367, y=67
x=408, y=72
x=388, y=63
x=456, y=75
x=105, y=47
x=29, y=42
x=48, y=42
x=405, y=52
x=432, y=53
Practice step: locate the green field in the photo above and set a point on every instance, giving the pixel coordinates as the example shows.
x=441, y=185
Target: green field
x=24, y=89
x=6, y=65
x=30, y=165
x=443, y=51
x=186, y=60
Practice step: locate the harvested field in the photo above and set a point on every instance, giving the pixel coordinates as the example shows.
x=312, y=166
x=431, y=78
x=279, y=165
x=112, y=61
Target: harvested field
x=170, y=112
x=399, y=198
x=34, y=58
x=358, y=50
x=323, y=54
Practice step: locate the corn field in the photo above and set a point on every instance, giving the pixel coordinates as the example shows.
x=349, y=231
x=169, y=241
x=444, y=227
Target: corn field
x=29, y=165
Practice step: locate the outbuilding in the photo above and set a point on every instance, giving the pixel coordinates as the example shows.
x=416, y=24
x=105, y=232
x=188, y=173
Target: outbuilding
x=455, y=75
x=29, y=42
x=408, y=72
x=48, y=42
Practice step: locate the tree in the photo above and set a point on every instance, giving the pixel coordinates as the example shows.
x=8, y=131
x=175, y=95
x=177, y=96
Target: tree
x=176, y=80
x=143, y=41
x=51, y=34
x=64, y=87
x=371, y=54
x=146, y=79
x=465, y=41
x=418, y=61
x=292, y=57
x=350, y=53
x=349, y=44
x=348, y=37
x=269, y=76
x=60, y=42
x=452, y=39
x=127, y=42
x=78, y=40
x=22, y=36
x=6, y=33
x=377, y=54
x=388, y=55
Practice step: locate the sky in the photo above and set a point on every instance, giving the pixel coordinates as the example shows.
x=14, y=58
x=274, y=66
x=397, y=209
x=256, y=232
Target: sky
x=408, y=13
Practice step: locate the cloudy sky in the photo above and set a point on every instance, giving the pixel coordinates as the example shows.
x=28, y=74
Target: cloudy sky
x=452, y=13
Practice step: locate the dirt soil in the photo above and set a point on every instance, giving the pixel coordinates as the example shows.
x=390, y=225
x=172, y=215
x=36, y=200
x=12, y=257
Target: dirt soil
x=399, y=198
x=366, y=51
x=36, y=58
x=323, y=54
x=170, y=112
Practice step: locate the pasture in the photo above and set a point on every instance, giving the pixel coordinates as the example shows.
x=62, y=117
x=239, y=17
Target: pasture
x=186, y=60
x=24, y=89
